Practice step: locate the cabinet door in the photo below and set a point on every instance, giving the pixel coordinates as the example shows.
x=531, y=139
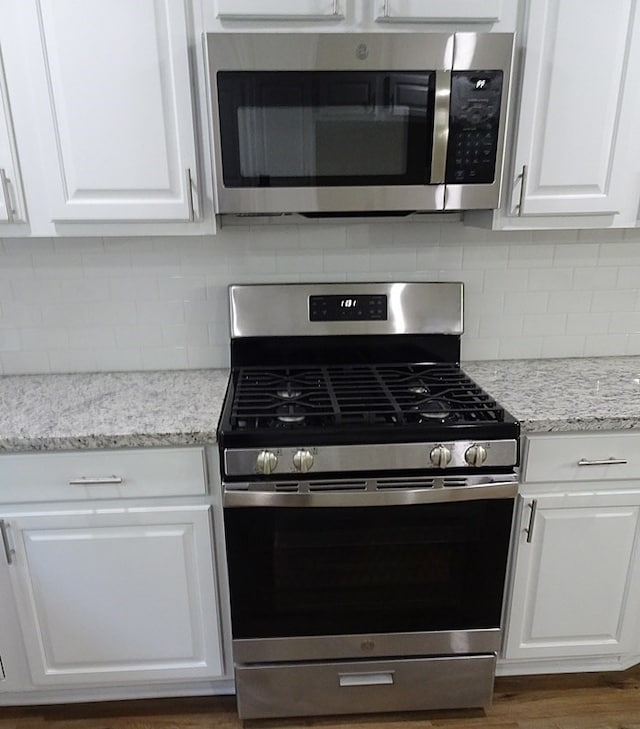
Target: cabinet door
x=282, y=9
x=115, y=85
x=575, y=590
x=579, y=110
x=11, y=204
x=114, y=596
x=479, y=11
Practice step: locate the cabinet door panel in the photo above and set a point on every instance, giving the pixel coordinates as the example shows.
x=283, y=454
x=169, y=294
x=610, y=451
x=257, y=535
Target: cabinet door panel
x=120, y=95
x=574, y=582
x=11, y=206
x=576, y=63
x=479, y=11
x=110, y=597
x=256, y=9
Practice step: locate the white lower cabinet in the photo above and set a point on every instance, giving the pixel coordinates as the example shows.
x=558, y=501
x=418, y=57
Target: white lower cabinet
x=107, y=598
x=575, y=591
x=107, y=592
x=574, y=602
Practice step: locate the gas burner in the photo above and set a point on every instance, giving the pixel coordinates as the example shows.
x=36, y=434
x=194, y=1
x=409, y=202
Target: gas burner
x=419, y=390
x=290, y=415
x=288, y=394
x=434, y=411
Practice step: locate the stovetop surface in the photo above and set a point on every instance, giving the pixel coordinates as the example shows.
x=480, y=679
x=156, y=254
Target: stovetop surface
x=358, y=403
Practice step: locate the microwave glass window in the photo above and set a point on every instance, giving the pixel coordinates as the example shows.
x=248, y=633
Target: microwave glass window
x=282, y=129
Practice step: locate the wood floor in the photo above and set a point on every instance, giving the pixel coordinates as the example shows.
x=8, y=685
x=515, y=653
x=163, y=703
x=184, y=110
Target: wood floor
x=581, y=701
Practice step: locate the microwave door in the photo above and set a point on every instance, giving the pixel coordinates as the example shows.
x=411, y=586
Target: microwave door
x=299, y=141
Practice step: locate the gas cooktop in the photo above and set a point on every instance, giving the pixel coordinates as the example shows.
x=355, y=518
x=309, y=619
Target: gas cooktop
x=331, y=403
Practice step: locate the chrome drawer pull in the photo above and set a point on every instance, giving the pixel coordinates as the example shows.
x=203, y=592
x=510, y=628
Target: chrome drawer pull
x=366, y=679
x=603, y=462
x=84, y=481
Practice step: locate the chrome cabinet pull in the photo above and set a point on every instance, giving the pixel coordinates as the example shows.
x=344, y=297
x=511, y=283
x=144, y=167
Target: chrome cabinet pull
x=8, y=549
x=532, y=520
x=6, y=193
x=603, y=462
x=366, y=679
x=523, y=186
x=100, y=481
x=192, y=198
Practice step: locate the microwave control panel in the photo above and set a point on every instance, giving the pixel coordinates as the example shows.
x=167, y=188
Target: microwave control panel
x=474, y=115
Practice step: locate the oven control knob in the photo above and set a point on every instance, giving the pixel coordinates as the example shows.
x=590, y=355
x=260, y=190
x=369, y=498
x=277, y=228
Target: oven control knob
x=440, y=456
x=266, y=462
x=303, y=460
x=475, y=455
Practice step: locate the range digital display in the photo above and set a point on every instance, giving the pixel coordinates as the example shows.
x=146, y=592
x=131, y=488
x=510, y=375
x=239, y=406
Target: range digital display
x=348, y=307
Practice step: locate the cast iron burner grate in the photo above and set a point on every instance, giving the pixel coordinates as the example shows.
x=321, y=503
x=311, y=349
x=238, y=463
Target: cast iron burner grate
x=352, y=395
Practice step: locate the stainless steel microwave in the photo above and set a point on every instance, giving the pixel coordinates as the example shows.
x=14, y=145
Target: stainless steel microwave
x=348, y=123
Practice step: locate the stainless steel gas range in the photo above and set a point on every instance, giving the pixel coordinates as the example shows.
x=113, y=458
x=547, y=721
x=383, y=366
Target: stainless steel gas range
x=369, y=487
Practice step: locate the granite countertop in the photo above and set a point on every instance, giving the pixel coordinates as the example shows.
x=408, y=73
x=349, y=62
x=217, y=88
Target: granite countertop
x=110, y=410
x=182, y=407
x=550, y=395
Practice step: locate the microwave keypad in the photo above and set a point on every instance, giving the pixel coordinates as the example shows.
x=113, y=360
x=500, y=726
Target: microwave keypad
x=473, y=126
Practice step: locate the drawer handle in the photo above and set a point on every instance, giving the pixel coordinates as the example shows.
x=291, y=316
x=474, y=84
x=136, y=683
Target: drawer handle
x=366, y=679
x=86, y=481
x=8, y=549
x=603, y=462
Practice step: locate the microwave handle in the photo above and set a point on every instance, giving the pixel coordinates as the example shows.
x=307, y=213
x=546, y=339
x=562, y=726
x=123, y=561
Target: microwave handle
x=440, y=126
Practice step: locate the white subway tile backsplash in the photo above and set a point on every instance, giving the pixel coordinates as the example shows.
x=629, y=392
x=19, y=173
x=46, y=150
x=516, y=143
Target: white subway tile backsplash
x=524, y=347
x=625, y=322
x=595, y=277
x=154, y=303
x=499, y=280
x=550, y=279
x=624, y=300
x=568, y=254
x=346, y=261
x=563, y=346
x=605, y=345
x=587, y=323
x=569, y=301
x=525, y=302
x=543, y=325
x=393, y=260
x=533, y=255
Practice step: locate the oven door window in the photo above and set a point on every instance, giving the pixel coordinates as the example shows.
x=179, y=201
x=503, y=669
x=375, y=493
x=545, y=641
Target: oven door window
x=315, y=129
x=330, y=571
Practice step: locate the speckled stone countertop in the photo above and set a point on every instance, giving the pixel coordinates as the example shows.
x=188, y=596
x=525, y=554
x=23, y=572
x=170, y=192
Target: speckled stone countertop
x=110, y=410
x=182, y=407
x=549, y=395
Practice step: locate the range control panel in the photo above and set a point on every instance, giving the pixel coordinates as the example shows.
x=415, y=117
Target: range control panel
x=474, y=115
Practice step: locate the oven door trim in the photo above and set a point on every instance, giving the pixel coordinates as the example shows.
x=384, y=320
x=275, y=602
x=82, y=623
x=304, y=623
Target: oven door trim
x=325, y=647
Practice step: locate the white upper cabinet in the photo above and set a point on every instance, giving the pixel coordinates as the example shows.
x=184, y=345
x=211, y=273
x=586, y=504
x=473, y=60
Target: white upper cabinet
x=577, y=151
x=11, y=201
x=439, y=11
x=114, y=95
x=280, y=9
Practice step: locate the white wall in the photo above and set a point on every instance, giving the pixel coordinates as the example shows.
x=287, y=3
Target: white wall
x=156, y=303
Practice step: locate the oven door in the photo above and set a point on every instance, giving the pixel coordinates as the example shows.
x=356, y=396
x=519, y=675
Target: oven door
x=405, y=573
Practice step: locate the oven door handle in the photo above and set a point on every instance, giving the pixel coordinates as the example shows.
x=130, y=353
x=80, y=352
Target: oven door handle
x=494, y=489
